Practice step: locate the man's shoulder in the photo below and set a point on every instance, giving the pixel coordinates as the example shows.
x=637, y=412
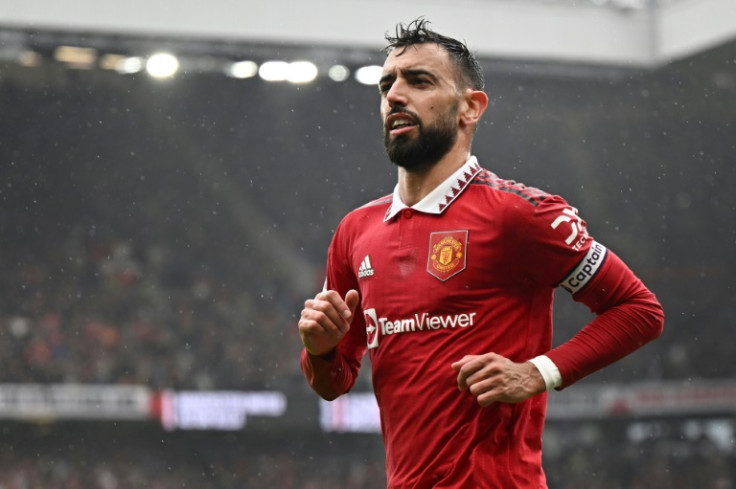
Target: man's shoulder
x=376, y=208
x=490, y=182
x=384, y=201
x=362, y=219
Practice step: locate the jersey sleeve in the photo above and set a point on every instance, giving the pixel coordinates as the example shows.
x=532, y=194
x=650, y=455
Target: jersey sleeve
x=562, y=253
x=334, y=374
x=555, y=241
x=628, y=315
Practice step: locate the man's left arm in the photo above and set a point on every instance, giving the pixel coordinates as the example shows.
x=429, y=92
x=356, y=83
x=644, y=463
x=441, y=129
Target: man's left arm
x=628, y=315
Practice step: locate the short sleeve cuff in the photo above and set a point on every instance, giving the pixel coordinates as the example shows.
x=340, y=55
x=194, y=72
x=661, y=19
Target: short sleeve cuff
x=549, y=371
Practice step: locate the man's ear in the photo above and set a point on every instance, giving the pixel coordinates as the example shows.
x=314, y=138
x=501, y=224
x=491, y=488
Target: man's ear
x=474, y=105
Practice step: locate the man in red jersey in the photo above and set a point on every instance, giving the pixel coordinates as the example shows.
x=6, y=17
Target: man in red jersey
x=448, y=285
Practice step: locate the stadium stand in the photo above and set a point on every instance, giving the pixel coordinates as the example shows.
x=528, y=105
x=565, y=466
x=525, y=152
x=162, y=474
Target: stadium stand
x=166, y=236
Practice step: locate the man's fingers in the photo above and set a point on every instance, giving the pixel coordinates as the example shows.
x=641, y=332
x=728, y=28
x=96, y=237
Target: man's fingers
x=352, y=299
x=332, y=307
x=329, y=312
x=325, y=320
x=494, y=378
x=465, y=368
x=488, y=398
x=316, y=322
x=488, y=385
x=344, y=307
x=459, y=364
x=472, y=369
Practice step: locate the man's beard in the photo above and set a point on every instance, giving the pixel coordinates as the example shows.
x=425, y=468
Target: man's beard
x=425, y=150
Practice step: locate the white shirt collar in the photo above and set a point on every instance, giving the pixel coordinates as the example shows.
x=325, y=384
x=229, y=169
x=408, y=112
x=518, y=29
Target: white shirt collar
x=442, y=196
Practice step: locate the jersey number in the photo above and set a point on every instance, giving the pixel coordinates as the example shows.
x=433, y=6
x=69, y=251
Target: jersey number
x=576, y=224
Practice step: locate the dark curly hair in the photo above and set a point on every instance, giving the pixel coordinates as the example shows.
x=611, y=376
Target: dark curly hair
x=418, y=32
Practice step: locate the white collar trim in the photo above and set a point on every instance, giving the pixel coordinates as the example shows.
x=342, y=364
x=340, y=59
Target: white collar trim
x=442, y=196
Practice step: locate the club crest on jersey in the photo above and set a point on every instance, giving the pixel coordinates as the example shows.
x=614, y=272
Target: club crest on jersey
x=447, y=253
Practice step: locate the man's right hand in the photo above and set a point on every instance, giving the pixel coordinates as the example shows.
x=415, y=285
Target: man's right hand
x=326, y=319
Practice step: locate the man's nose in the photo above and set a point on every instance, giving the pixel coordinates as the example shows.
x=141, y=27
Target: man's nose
x=396, y=95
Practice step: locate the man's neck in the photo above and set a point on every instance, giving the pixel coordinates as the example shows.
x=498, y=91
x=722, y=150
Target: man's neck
x=415, y=185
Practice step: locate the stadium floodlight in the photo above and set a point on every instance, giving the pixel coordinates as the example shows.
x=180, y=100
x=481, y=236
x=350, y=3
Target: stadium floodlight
x=242, y=69
x=130, y=65
x=302, y=72
x=338, y=73
x=162, y=65
x=294, y=72
x=76, y=56
x=369, y=75
x=274, y=70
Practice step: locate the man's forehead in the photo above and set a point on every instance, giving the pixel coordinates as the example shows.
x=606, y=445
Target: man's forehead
x=428, y=56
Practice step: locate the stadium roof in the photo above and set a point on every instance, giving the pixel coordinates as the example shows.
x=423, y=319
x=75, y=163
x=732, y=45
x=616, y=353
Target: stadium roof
x=629, y=33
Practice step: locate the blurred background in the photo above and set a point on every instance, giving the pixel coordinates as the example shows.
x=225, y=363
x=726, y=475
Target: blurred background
x=171, y=175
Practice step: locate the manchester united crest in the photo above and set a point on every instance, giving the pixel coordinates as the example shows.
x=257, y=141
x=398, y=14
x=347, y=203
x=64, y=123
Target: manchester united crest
x=447, y=253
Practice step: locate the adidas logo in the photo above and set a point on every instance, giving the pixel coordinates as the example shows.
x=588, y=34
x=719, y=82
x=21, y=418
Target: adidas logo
x=365, y=270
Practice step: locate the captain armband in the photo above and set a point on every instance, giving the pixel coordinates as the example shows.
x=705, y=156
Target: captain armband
x=586, y=269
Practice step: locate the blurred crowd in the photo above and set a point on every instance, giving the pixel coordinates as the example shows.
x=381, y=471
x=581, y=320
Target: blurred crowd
x=110, y=315
x=105, y=457
x=189, y=310
x=130, y=253
x=90, y=306
x=147, y=231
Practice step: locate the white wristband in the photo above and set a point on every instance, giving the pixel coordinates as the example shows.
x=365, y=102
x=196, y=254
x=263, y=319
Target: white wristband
x=549, y=371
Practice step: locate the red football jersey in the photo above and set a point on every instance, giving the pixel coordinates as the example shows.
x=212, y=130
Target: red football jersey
x=470, y=269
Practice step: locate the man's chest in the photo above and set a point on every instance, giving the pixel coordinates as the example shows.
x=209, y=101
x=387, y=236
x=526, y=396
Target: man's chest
x=430, y=259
